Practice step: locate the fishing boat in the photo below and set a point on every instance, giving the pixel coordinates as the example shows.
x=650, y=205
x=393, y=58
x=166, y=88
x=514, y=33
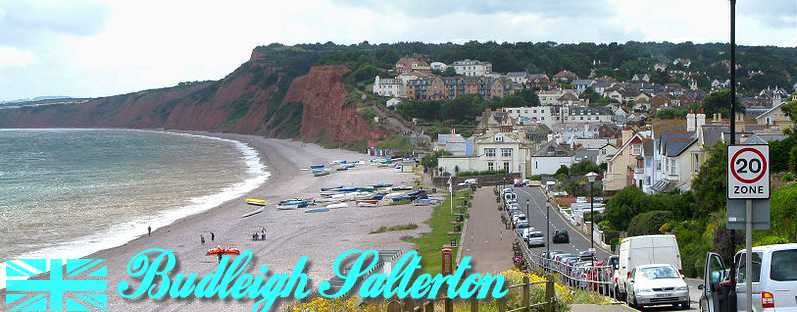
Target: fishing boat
x=342, y=168
x=314, y=210
x=256, y=201
x=317, y=166
x=401, y=188
x=334, y=188
x=300, y=203
x=320, y=172
x=382, y=185
x=287, y=206
x=367, y=203
x=337, y=206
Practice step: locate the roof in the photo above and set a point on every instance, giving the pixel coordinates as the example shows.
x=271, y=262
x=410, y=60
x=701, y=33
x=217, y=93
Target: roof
x=582, y=82
x=647, y=147
x=553, y=149
x=582, y=154
x=582, y=110
x=675, y=143
x=712, y=134
x=517, y=74
x=769, y=111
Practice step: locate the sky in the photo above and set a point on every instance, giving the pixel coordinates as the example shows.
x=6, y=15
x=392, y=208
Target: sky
x=89, y=48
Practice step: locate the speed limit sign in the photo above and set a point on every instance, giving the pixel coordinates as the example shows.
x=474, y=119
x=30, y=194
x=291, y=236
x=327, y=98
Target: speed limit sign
x=748, y=172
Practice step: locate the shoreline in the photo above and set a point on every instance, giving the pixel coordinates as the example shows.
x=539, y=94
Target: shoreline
x=291, y=234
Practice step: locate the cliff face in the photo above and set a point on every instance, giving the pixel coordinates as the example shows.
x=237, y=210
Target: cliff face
x=263, y=96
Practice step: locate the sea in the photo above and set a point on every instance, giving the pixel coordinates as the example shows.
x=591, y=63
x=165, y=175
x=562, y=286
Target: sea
x=66, y=193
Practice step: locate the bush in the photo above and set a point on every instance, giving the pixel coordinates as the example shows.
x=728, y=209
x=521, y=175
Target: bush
x=648, y=223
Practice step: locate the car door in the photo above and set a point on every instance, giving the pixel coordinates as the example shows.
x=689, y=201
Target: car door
x=712, y=277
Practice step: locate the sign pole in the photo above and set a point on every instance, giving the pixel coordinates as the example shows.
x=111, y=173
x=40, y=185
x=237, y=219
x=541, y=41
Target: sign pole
x=749, y=257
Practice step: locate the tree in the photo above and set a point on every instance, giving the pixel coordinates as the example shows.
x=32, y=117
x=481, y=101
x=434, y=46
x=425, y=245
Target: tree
x=718, y=102
x=624, y=205
x=429, y=161
x=648, y=223
x=709, y=187
x=590, y=94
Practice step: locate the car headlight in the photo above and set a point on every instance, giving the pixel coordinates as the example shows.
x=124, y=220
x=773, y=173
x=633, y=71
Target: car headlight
x=682, y=288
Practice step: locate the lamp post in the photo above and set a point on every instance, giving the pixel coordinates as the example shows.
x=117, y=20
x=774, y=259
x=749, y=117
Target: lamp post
x=591, y=177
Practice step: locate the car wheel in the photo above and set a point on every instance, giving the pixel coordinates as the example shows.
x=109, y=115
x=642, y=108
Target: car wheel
x=685, y=306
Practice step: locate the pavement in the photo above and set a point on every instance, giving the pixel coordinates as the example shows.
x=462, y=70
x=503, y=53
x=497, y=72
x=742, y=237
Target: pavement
x=486, y=238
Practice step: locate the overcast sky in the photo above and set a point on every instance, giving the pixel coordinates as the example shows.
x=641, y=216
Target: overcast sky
x=95, y=48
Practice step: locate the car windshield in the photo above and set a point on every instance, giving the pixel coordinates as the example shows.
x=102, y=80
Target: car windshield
x=536, y=235
x=659, y=272
x=783, y=268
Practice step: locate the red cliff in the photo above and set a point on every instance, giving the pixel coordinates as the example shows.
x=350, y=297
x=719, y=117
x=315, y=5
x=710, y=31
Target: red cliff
x=263, y=96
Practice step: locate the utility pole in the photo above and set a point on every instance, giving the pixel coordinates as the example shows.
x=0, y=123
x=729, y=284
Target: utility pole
x=733, y=72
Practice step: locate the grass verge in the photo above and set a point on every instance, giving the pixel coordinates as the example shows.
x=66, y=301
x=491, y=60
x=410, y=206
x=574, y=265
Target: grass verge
x=429, y=244
x=395, y=228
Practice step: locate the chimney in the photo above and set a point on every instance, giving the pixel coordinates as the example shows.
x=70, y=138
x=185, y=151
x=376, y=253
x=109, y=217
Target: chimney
x=700, y=120
x=690, y=121
x=627, y=134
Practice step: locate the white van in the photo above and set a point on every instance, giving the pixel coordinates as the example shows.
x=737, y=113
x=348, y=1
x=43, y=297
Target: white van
x=643, y=250
x=774, y=281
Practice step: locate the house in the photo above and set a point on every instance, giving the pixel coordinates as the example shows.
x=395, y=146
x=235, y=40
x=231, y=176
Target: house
x=549, y=97
x=472, y=68
x=584, y=114
x=627, y=166
x=620, y=115
x=550, y=157
x=455, y=144
x=393, y=102
x=438, y=66
x=496, y=150
x=409, y=64
x=679, y=161
x=388, y=87
x=538, y=81
x=660, y=67
x=582, y=84
x=518, y=77
x=775, y=117
x=565, y=76
x=568, y=98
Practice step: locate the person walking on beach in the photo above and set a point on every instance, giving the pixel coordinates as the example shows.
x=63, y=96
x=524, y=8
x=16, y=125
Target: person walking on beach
x=149, y=230
x=219, y=257
x=202, y=239
x=212, y=236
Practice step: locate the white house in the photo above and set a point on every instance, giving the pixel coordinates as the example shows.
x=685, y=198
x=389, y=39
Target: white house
x=493, y=151
x=438, y=66
x=388, y=87
x=472, y=68
x=518, y=77
x=393, y=102
x=550, y=157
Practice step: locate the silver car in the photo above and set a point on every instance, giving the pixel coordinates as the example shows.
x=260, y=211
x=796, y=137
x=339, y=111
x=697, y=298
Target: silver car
x=657, y=284
x=536, y=239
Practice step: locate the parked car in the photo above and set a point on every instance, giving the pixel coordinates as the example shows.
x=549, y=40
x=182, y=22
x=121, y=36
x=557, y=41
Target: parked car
x=657, y=284
x=587, y=255
x=520, y=217
x=561, y=237
x=536, y=239
x=643, y=250
x=522, y=225
x=774, y=280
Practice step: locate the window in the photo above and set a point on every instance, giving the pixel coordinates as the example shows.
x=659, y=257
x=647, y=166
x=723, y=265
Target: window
x=536, y=166
x=742, y=269
x=489, y=152
x=783, y=268
x=506, y=166
x=506, y=152
x=636, y=149
x=490, y=166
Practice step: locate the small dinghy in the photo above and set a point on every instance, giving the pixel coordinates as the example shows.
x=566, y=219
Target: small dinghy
x=314, y=210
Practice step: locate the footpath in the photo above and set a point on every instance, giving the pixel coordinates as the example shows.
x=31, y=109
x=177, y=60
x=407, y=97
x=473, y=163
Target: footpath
x=486, y=239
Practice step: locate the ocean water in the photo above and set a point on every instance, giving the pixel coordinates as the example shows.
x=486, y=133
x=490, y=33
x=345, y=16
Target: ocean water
x=66, y=193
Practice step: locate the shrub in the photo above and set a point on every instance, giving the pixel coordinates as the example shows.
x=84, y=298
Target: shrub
x=648, y=223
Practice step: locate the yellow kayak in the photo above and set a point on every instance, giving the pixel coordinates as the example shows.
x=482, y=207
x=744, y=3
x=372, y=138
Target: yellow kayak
x=256, y=201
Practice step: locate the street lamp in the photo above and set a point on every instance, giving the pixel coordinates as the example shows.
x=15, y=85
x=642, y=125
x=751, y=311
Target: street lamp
x=591, y=177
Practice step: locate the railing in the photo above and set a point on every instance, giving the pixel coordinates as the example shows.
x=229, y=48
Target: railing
x=447, y=305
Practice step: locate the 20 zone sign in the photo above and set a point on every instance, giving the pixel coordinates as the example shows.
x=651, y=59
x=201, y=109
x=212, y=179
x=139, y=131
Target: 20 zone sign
x=748, y=172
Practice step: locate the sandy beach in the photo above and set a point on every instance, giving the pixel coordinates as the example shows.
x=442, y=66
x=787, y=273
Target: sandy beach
x=291, y=233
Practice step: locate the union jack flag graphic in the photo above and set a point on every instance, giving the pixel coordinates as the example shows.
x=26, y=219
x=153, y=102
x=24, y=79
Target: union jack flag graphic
x=70, y=285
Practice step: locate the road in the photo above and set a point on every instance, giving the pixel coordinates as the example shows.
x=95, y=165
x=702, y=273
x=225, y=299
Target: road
x=578, y=240
x=486, y=238
x=536, y=216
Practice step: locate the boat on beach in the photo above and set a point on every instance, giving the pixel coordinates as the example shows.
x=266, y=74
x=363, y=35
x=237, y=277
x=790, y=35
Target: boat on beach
x=320, y=172
x=256, y=201
x=367, y=203
x=314, y=210
x=287, y=206
x=337, y=206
